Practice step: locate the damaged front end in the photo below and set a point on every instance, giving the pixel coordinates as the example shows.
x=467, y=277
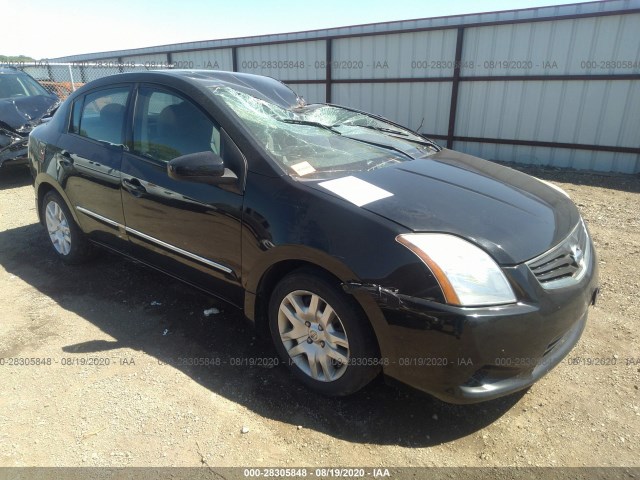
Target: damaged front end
x=412, y=312
x=13, y=146
x=18, y=116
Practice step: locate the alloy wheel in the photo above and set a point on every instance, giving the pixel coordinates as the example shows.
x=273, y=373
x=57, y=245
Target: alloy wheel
x=58, y=228
x=313, y=335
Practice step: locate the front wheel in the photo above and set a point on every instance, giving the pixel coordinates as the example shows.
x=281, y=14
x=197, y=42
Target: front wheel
x=322, y=335
x=67, y=239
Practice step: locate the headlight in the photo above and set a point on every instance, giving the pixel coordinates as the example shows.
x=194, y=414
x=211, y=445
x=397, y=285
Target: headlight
x=467, y=275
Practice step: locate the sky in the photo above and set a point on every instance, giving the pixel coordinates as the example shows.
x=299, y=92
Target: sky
x=49, y=29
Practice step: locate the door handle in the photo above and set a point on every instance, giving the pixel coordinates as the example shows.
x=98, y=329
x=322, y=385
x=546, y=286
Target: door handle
x=66, y=160
x=134, y=187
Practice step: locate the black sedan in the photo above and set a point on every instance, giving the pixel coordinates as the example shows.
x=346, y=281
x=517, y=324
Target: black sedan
x=360, y=245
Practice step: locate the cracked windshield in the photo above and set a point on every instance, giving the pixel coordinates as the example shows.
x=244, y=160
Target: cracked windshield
x=324, y=141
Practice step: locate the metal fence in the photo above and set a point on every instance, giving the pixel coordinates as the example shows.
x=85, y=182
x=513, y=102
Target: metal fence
x=62, y=79
x=555, y=86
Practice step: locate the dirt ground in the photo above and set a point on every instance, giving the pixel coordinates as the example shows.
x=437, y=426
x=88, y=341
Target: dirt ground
x=112, y=387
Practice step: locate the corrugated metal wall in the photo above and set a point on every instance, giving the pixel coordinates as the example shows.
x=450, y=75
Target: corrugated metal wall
x=554, y=86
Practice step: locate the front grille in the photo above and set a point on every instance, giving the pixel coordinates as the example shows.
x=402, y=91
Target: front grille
x=566, y=263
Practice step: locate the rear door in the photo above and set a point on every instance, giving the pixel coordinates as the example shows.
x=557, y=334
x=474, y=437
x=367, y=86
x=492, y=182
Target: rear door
x=190, y=230
x=90, y=160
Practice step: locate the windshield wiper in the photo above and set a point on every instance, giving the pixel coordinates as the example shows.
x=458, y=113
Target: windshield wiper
x=311, y=124
x=333, y=130
x=380, y=165
x=379, y=129
x=381, y=145
x=405, y=136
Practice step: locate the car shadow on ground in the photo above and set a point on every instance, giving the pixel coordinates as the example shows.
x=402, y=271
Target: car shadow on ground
x=14, y=176
x=121, y=298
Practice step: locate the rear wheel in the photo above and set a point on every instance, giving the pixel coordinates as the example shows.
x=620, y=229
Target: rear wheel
x=67, y=239
x=322, y=335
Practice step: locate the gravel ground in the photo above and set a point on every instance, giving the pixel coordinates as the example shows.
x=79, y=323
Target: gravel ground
x=118, y=393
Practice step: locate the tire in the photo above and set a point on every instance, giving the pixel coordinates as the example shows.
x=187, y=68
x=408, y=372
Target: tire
x=321, y=334
x=67, y=240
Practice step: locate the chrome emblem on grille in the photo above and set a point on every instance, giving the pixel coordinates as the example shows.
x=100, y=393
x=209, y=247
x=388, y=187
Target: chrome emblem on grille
x=576, y=255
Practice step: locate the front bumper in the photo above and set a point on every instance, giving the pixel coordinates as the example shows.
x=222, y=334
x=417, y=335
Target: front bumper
x=468, y=355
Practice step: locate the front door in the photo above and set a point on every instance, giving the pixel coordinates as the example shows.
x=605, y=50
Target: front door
x=190, y=230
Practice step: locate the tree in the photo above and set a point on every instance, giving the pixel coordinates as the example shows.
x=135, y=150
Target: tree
x=15, y=58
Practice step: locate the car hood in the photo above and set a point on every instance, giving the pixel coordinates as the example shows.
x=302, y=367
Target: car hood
x=19, y=114
x=513, y=216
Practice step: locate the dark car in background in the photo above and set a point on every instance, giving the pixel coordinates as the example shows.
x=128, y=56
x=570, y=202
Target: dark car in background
x=23, y=105
x=361, y=246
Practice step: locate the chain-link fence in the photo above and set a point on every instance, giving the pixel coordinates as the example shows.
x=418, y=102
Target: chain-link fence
x=62, y=79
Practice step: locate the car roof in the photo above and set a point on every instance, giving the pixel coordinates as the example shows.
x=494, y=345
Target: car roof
x=259, y=86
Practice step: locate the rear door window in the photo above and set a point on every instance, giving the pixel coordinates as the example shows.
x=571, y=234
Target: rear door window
x=102, y=115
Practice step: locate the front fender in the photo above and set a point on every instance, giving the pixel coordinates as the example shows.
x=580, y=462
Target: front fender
x=288, y=256
x=297, y=253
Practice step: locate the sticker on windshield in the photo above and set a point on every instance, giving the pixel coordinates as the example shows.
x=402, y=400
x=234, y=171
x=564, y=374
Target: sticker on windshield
x=355, y=190
x=303, y=168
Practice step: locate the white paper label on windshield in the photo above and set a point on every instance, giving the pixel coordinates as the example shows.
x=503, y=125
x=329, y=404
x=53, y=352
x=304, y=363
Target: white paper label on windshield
x=303, y=168
x=355, y=190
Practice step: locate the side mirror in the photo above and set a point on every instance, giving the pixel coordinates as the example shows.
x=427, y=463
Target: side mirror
x=201, y=167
